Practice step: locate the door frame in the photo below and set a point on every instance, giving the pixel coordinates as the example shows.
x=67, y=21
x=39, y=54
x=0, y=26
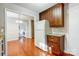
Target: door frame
x=5, y=27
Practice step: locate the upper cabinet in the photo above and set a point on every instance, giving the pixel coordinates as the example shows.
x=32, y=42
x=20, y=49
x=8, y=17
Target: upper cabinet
x=55, y=15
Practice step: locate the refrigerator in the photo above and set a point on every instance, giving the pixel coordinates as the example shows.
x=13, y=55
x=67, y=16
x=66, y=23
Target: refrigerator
x=42, y=28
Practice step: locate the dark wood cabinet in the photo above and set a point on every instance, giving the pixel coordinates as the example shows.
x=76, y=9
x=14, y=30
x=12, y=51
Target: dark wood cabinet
x=55, y=15
x=45, y=15
x=58, y=15
x=56, y=43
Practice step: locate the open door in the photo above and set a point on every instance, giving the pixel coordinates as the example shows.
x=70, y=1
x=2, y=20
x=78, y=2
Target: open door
x=32, y=26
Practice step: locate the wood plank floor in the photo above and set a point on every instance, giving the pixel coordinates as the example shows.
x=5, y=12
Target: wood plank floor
x=27, y=48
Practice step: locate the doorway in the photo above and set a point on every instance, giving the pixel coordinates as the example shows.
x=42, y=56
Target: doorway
x=15, y=25
x=32, y=27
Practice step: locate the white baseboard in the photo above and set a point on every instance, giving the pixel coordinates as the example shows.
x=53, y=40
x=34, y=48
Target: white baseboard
x=41, y=46
x=11, y=40
x=68, y=52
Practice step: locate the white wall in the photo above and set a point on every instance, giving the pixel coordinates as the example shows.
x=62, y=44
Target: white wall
x=2, y=11
x=12, y=29
x=73, y=28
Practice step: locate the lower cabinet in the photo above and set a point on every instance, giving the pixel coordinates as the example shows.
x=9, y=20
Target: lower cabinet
x=55, y=44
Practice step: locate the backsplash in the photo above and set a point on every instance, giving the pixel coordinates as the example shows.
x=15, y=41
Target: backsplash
x=58, y=30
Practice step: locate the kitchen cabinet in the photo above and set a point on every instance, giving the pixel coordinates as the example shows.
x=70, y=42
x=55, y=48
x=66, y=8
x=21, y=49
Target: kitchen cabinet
x=56, y=43
x=58, y=15
x=44, y=15
x=54, y=14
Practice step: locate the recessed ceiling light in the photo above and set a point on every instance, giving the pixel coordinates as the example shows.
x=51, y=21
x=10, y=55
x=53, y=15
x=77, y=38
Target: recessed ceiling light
x=19, y=21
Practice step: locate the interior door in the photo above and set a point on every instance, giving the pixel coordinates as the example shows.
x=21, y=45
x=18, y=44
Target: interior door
x=32, y=25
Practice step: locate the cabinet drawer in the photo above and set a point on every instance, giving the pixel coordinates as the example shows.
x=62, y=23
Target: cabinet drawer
x=53, y=44
x=50, y=44
x=56, y=49
x=53, y=39
x=56, y=45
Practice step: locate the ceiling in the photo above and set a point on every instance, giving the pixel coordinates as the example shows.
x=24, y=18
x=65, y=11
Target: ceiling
x=13, y=15
x=37, y=7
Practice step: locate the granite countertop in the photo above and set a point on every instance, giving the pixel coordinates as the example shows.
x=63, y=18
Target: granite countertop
x=57, y=34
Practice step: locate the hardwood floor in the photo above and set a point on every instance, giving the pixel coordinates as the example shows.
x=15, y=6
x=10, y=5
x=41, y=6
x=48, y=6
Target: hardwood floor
x=27, y=48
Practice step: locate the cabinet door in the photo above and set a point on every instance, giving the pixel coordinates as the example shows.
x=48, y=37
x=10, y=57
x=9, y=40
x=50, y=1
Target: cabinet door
x=57, y=15
x=44, y=15
x=41, y=15
x=50, y=16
